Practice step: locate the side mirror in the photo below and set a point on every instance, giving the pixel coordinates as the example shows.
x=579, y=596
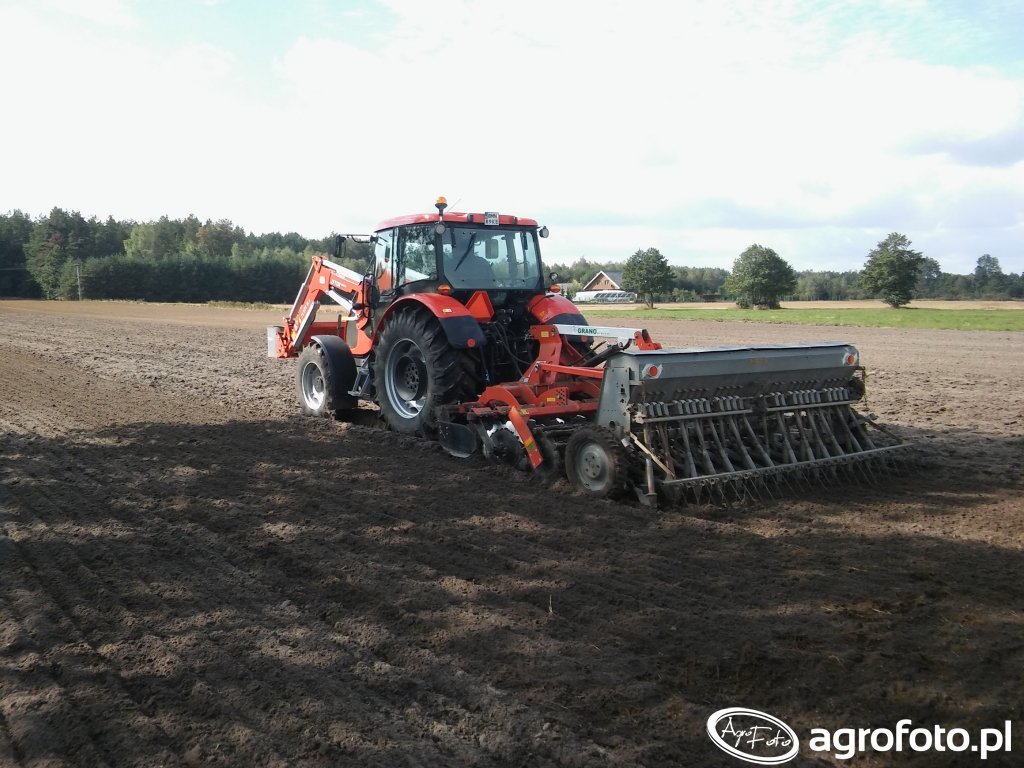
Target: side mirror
x=553, y=277
x=543, y=232
x=338, y=240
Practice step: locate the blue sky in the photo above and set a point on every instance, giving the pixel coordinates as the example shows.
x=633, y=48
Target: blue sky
x=698, y=128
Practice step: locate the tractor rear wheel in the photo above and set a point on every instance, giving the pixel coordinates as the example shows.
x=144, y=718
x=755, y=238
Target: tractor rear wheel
x=416, y=370
x=595, y=461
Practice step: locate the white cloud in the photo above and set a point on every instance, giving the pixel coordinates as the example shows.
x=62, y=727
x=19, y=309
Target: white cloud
x=694, y=127
x=109, y=13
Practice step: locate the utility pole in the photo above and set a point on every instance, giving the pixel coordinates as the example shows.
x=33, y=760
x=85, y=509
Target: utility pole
x=78, y=274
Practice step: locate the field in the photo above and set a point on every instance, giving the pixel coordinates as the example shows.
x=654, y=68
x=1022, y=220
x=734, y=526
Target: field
x=194, y=574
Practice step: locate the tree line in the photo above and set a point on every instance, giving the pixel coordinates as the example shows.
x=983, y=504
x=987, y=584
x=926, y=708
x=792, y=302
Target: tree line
x=893, y=272
x=192, y=260
x=187, y=260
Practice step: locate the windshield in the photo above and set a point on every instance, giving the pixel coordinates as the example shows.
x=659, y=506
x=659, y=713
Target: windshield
x=486, y=257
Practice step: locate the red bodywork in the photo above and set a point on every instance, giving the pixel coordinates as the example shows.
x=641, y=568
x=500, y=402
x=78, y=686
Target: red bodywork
x=324, y=276
x=454, y=218
x=556, y=384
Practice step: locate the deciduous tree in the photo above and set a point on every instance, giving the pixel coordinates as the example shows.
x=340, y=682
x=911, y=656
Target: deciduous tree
x=892, y=270
x=988, y=276
x=760, y=277
x=647, y=272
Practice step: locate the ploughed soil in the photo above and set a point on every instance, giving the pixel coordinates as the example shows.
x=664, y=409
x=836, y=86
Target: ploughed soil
x=191, y=573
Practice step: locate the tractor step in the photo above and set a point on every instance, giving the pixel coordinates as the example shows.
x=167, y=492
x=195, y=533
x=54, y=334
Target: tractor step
x=362, y=387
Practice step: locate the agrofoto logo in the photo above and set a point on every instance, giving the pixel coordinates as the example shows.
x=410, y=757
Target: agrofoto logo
x=757, y=737
x=753, y=736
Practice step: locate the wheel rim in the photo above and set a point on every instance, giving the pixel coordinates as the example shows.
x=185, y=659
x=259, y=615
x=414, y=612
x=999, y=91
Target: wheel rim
x=314, y=391
x=406, y=380
x=593, y=466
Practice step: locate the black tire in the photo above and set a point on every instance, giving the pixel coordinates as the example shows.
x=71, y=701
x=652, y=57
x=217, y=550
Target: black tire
x=595, y=462
x=325, y=374
x=416, y=370
x=313, y=383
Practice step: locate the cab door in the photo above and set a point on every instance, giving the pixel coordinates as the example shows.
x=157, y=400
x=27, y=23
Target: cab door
x=385, y=268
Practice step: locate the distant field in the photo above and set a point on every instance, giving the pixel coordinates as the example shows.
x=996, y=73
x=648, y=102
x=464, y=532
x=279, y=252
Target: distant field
x=939, y=315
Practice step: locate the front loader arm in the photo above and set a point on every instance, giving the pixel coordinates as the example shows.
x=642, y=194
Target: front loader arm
x=325, y=278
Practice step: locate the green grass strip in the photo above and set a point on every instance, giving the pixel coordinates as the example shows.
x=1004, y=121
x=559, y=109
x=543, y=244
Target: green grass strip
x=907, y=317
x=261, y=305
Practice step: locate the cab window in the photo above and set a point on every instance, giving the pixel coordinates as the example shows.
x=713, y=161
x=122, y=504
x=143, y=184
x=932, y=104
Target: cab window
x=490, y=258
x=418, y=256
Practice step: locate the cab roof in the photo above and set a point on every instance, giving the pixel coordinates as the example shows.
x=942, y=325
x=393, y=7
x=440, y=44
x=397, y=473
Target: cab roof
x=453, y=217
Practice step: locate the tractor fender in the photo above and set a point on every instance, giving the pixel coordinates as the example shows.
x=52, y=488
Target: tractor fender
x=342, y=367
x=460, y=327
x=553, y=309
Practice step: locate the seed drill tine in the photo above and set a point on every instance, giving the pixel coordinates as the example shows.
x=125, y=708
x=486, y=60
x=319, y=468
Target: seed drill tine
x=670, y=461
x=802, y=480
x=790, y=453
x=721, y=447
x=739, y=488
x=829, y=431
x=720, y=490
x=818, y=441
x=734, y=428
x=690, y=468
x=836, y=417
x=844, y=420
x=805, y=440
x=865, y=437
x=709, y=466
x=765, y=458
x=818, y=445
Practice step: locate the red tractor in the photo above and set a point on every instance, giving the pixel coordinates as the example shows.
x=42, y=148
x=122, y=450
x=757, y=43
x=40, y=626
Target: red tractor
x=455, y=334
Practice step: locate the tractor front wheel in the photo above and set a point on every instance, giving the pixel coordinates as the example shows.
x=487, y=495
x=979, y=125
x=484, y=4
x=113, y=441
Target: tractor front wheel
x=416, y=370
x=325, y=374
x=313, y=382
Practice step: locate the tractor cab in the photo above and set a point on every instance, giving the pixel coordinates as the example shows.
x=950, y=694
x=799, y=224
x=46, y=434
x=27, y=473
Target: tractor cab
x=458, y=254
